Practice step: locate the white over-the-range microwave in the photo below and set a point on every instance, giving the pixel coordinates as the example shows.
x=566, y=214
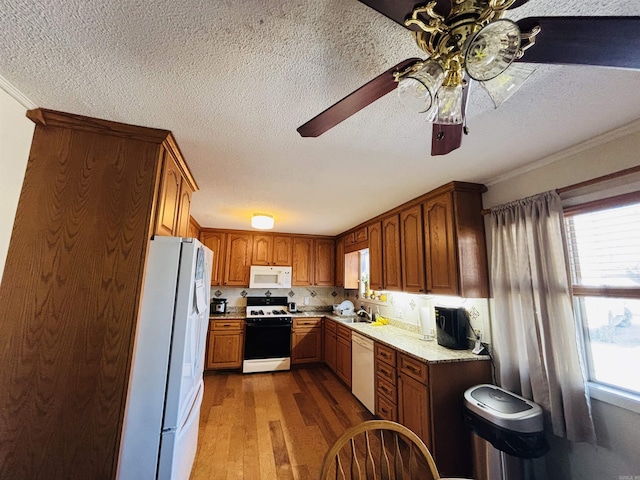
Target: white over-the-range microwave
x=262, y=276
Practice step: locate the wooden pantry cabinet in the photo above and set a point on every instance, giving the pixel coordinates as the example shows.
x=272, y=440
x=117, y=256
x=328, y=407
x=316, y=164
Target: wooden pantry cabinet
x=306, y=340
x=93, y=196
x=225, y=344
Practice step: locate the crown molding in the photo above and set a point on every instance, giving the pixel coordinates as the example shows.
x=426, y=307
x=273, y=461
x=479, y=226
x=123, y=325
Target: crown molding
x=17, y=95
x=607, y=137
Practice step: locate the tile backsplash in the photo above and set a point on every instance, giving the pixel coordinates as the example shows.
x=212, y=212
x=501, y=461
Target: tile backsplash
x=410, y=309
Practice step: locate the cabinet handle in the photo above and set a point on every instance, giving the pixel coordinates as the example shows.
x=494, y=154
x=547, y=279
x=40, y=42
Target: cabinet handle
x=384, y=389
x=384, y=410
x=413, y=369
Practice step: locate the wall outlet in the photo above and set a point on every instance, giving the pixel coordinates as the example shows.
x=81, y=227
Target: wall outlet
x=398, y=313
x=306, y=300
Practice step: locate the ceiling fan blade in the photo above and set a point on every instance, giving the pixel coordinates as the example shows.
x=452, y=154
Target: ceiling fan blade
x=354, y=102
x=603, y=41
x=400, y=10
x=445, y=138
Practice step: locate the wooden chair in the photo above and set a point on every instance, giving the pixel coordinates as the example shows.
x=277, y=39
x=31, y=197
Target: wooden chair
x=399, y=452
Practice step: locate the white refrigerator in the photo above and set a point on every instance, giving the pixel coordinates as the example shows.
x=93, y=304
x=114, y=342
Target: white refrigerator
x=160, y=433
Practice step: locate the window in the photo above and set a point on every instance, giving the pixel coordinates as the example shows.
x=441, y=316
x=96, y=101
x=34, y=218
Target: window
x=603, y=239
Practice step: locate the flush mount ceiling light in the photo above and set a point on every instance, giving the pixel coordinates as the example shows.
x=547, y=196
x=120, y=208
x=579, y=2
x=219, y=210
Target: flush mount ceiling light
x=469, y=41
x=262, y=221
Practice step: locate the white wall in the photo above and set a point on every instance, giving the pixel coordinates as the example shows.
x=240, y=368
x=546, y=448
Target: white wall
x=16, y=132
x=618, y=430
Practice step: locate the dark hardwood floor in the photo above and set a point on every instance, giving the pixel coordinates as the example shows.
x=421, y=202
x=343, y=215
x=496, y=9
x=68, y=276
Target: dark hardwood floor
x=272, y=425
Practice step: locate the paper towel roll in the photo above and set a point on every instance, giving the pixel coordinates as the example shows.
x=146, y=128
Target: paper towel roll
x=427, y=322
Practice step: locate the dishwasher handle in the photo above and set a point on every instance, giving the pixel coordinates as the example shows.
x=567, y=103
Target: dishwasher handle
x=362, y=341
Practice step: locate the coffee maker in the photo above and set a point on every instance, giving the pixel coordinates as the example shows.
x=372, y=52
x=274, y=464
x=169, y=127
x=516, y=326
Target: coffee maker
x=451, y=327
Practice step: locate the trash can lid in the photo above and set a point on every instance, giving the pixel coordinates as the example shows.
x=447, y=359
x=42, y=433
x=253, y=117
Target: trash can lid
x=504, y=409
x=499, y=400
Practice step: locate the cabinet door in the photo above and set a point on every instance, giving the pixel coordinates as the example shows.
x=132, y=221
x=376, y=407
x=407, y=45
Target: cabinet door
x=169, y=198
x=216, y=241
x=194, y=228
x=375, y=256
x=340, y=262
x=262, y=246
x=325, y=262
x=306, y=345
x=413, y=407
x=238, y=260
x=224, y=350
x=392, y=279
x=184, y=209
x=282, y=253
x=439, y=245
x=302, y=261
x=343, y=360
x=412, y=253
x=330, y=348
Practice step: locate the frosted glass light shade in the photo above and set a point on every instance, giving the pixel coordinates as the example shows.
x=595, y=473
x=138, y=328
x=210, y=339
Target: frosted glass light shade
x=262, y=221
x=507, y=83
x=491, y=50
x=417, y=91
x=450, y=105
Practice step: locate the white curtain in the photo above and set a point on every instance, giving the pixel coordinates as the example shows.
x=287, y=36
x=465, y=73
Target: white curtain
x=535, y=336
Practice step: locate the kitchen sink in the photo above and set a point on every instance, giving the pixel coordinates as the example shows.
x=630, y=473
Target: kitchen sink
x=354, y=320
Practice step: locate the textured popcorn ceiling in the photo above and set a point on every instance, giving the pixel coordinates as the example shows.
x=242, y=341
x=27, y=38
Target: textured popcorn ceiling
x=233, y=80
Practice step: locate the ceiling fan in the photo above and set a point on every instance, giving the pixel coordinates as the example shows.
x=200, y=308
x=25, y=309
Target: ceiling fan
x=469, y=40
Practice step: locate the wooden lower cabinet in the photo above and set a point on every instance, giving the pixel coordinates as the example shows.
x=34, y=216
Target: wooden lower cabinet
x=430, y=402
x=225, y=344
x=386, y=404
x=330, y=343
x=343, y=354
x=306, y=340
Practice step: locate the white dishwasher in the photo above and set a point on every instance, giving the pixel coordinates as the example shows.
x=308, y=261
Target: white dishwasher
x=362, y=370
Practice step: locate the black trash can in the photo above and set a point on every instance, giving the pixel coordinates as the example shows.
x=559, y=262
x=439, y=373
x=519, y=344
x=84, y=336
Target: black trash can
x=506, y=427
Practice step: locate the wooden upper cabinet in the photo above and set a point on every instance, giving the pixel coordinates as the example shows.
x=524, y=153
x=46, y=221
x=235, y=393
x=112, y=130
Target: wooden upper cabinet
x=272, y=250
x=412, y=253
x=324, y=262
x=440, y=250
x=184, y=207
x=340, y=262
x=303, y=271
x=194, y=228
x=238, y=259
x=455, y=245
x=169, y=198
x=375, y=256
x=262, y=247
x=392, y=278
x=216, y=241
x=174, y=198
x=282, y=251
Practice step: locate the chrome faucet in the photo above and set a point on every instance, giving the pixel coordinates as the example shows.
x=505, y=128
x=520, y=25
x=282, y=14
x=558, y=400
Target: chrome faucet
x=363, y=313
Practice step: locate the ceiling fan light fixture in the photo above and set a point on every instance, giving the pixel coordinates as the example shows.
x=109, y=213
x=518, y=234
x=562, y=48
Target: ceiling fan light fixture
x=262, y=221
x=507, y=83
x=492, y=49
x=450, y=105
x=417, y=90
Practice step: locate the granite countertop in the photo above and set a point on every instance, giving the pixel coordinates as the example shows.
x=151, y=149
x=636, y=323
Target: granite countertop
x=401, y=339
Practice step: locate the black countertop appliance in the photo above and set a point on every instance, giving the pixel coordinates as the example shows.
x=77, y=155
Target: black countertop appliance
x=218, y=305
x=451, y=327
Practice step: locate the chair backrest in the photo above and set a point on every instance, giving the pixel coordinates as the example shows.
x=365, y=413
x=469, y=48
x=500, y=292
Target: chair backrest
x=378, y=449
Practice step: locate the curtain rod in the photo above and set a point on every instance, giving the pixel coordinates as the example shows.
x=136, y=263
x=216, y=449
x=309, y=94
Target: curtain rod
x=586, y=183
